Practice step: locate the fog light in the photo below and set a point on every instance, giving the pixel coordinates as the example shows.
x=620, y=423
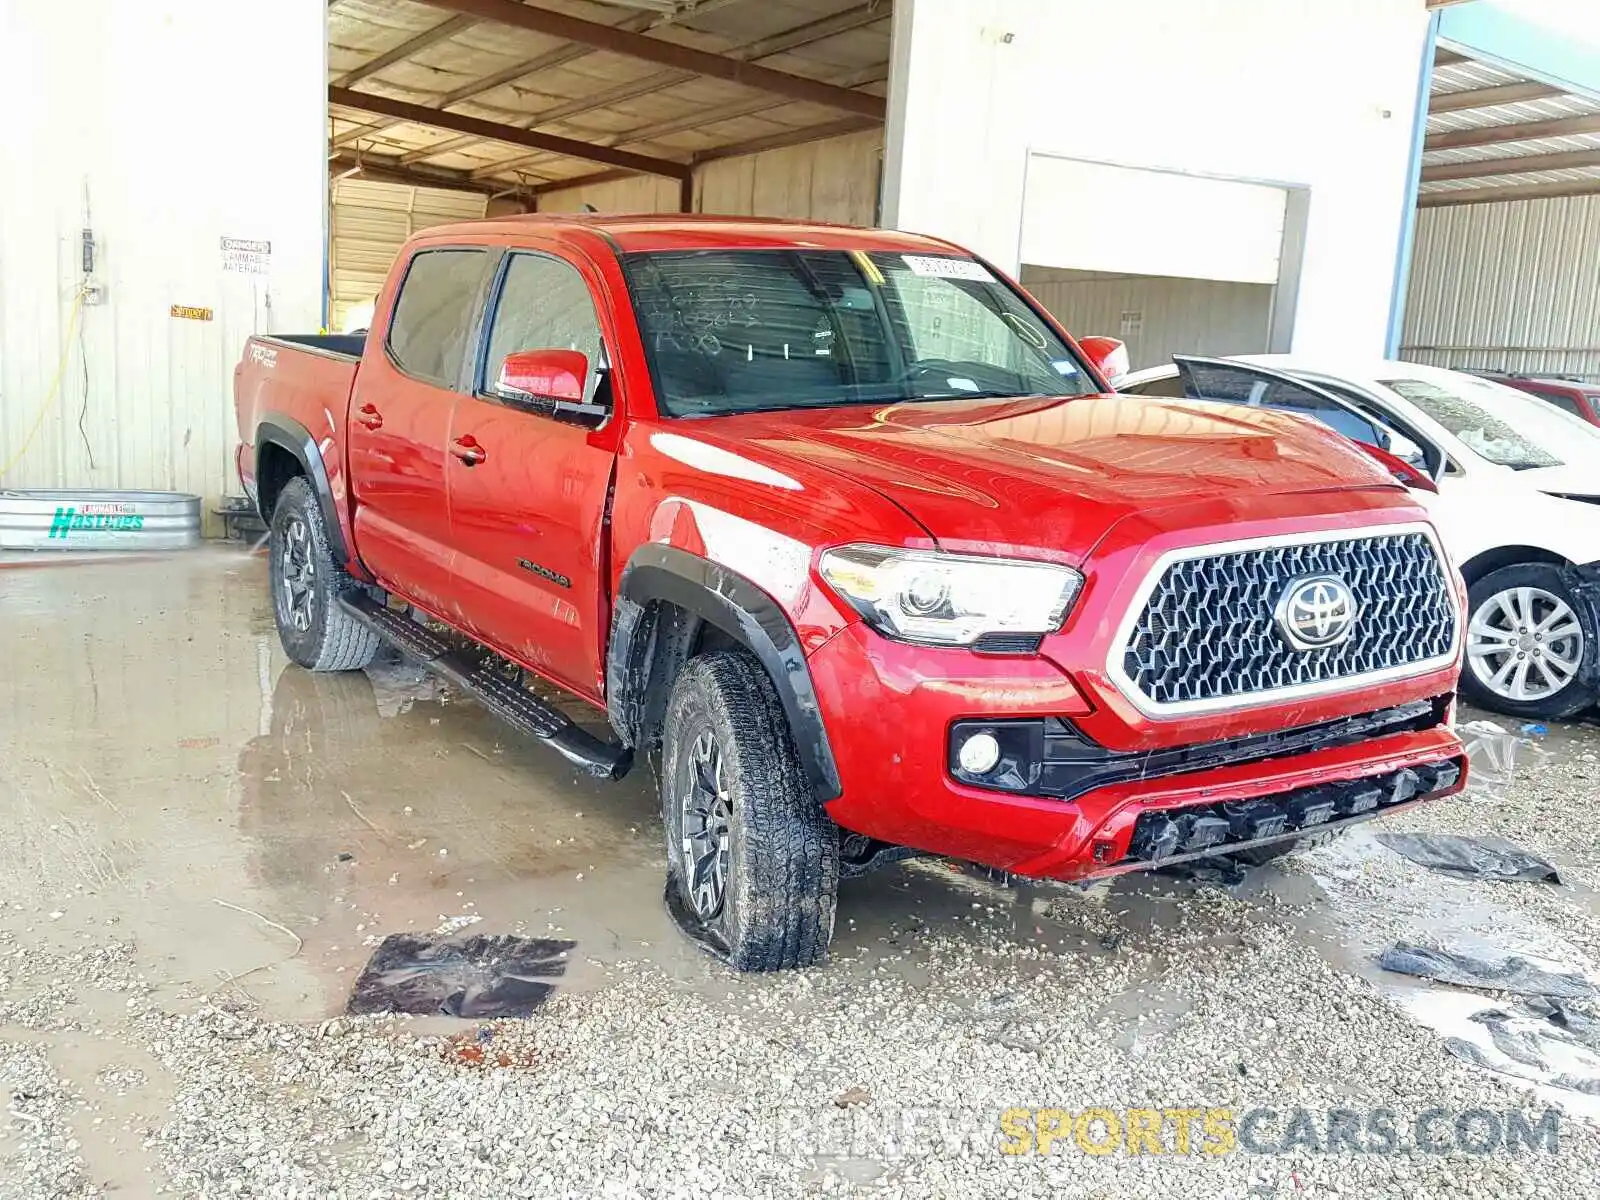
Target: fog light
x=979, y=754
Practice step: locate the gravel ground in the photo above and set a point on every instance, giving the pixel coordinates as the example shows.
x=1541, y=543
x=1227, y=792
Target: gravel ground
x=883, y=1073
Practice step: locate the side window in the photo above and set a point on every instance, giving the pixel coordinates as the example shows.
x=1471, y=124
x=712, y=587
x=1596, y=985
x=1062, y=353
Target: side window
x=434, y=313
x=1289, y=398
x=1395, y=439
x=1559, y=399
x=544, y=304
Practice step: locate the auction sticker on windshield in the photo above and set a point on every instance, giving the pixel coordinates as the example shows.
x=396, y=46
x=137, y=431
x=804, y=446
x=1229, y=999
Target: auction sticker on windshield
x=946, y=268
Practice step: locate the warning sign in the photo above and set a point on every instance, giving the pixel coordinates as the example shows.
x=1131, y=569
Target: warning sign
x=246, y=257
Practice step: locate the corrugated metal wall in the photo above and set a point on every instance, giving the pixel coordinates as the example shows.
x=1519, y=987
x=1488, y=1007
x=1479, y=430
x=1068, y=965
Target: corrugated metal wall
x=636, y=194
x=1510, y=286
x=1157, y=316
x=130, y=118
x=831, y=180
x=371, y=221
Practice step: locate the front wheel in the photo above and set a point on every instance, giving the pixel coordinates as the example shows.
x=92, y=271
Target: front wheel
x=1530, y=644
x=752, y=859
x=306, y=586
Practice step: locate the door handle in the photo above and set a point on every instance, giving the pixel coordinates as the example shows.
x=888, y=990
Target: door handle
x=369, y=416
x=468, y=450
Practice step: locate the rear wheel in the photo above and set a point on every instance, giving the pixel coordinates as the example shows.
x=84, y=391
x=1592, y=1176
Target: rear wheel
x=306, y=586
x=1530, y=644
x=752, y=860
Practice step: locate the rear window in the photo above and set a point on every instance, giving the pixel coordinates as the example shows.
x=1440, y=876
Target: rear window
x=434, y=314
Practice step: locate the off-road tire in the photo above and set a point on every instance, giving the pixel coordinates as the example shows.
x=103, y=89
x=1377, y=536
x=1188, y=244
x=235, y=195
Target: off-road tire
x=333, y=640
x=1577, y=695
x=782, y=881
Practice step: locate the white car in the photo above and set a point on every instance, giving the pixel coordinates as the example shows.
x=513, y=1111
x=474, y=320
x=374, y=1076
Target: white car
x=1517, y=501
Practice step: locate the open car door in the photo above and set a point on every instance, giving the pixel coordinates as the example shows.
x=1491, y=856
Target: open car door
x=1231, y=382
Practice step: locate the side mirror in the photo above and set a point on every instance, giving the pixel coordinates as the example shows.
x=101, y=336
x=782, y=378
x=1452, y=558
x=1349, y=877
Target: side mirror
x=1401, y=469
x=556, y=377
x=1107, y=355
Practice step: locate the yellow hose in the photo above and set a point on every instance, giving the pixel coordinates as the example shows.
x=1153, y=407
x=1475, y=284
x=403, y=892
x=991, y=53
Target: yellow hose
x=55, y=388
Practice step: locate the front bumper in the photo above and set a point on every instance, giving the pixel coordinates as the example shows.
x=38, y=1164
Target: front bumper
x=891, y=708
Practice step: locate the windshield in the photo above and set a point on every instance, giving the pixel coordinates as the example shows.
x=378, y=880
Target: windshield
x=732, y=331
x=1501, y=424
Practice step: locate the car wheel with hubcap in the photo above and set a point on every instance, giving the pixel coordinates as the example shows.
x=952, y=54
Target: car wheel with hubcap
x=752, y=858
x=1530, y=644
x=306, y=585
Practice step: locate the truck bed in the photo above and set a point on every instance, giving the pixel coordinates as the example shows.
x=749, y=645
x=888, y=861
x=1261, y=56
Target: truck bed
x=297, y=385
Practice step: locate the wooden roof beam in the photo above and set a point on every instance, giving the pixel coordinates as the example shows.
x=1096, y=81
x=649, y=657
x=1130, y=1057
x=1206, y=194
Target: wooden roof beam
x=531, y=66
x=1494, y=135
x=1490, y=195
x=419, y=114
x=667, y=54
x=387, y=170
x=1561, y=161
x=779, y=43
x=1506, y=93
x=694, y=120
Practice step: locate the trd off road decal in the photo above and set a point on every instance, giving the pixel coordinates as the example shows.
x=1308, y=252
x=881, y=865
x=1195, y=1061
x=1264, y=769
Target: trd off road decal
x=101, y=518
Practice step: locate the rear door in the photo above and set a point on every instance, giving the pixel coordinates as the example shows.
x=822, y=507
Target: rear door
x=415, y=369
x=529, y=486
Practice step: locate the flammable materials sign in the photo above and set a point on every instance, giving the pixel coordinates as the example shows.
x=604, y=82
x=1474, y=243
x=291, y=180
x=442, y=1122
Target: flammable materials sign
x=246, y=257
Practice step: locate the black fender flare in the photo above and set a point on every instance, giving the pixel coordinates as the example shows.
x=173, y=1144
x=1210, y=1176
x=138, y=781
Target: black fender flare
x=640, y=648
x=276, y=429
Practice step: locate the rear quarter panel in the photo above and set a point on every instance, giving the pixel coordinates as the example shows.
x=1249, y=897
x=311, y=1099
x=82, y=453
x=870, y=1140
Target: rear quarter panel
x=277, y=382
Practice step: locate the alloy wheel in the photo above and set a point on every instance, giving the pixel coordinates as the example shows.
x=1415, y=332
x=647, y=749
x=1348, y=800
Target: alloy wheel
x=1525, y=644
x=707, y=813
x=297, y=575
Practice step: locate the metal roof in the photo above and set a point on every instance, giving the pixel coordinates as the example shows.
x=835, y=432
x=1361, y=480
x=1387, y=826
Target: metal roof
x=1495, y=133
x=504, y=97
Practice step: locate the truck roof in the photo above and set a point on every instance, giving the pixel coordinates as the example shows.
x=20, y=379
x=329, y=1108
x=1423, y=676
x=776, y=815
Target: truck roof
x=694, y=231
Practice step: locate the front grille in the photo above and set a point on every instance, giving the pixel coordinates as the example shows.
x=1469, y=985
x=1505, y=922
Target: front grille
x=1208, y=633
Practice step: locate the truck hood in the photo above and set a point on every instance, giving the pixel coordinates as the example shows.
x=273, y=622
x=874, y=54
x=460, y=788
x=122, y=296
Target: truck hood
x=1058, y=472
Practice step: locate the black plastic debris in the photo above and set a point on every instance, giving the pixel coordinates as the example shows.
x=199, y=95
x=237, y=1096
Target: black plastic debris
x=1502, y=973
x=480, y=976
x=1219, y=871
x=1471, y=858
x=1544, y=1041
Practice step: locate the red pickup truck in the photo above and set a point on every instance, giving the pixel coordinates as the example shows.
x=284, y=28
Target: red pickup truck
x=845, y=526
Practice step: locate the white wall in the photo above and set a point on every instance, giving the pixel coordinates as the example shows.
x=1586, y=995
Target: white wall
x=183, y=123
x=1282, y=91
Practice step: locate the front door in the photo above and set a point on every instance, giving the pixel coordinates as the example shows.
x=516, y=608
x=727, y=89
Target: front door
x=528, y=487
x=400, y=422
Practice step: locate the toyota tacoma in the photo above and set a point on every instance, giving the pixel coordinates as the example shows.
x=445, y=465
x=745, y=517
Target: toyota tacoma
x=846, y=527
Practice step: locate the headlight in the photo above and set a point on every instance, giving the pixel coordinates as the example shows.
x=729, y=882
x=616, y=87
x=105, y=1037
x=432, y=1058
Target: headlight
x=950, y=599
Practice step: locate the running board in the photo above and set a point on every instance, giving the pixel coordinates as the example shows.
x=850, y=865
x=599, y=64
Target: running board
x=509, y=701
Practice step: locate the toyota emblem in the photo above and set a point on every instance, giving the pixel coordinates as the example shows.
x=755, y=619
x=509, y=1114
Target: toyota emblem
x=1316, y=612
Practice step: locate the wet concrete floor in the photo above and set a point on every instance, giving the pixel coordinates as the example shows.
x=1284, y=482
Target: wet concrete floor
x=250, y=823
